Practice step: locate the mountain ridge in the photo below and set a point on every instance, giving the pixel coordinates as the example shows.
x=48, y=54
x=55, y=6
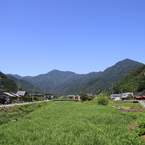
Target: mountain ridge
x=67, y=82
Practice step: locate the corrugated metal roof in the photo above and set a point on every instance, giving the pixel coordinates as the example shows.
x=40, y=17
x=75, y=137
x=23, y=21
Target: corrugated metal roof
x=15, y=95
x=21, y=93
x=8, y=94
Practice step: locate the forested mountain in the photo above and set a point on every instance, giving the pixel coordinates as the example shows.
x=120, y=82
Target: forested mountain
x=66, y=82
x=25, y=85
x=132, y=82
x=110, y=76
x=57, y=81
x=7, y=84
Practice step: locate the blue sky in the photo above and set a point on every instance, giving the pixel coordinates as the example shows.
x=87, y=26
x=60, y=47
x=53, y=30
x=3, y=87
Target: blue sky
x=37, y=36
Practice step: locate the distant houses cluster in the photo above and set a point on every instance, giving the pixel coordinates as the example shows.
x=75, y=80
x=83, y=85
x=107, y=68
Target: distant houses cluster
x=7, y=98
x=70, y=97
x=126, y=96
x=76, y=96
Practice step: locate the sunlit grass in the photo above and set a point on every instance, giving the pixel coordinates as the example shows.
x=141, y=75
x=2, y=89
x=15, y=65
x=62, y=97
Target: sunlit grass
x=8, y=114
x=70, y=123
x=129, y=104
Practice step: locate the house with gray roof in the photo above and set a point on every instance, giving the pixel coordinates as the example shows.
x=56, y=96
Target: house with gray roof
x=22, y=93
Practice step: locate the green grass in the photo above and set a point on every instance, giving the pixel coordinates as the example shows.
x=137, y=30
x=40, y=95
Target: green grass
x=128, y=104
x=70, y=123
x=8, y=114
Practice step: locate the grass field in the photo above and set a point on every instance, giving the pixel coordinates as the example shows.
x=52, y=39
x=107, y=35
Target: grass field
x=8, y=114
x=128, y=104
x=71, y=123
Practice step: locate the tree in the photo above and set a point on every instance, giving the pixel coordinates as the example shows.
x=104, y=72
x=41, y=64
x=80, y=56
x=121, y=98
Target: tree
x=103, y=100
x=83, y=96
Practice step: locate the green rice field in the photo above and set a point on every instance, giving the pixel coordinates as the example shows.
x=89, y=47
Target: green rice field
x=72, y=123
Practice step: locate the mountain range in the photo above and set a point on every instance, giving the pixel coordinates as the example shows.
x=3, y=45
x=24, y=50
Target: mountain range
x=67, y=82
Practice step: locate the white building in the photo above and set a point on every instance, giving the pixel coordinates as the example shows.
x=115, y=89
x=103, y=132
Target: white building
x=122, y=96
x=116, y=96
x=125, y=95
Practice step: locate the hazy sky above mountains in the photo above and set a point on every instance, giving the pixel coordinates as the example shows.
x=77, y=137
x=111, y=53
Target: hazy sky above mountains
x=37, y=36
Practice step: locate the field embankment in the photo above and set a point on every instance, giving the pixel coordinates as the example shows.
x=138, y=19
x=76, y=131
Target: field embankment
x=71, y=123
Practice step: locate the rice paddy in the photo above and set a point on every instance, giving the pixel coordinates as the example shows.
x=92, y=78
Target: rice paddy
x=71, y=123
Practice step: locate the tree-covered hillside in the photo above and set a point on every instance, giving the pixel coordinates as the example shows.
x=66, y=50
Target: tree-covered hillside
x=59, y=81
x=7, y=84
x=132, y=82
x=26, y=86
x=110, y=76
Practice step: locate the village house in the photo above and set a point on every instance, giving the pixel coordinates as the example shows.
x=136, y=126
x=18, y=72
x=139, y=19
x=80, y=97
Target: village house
x=48, y=96
x=123, y=96
x=140, y=97
x=126, y=95
x=116, y=96
x=22, y=93
x=7, y=98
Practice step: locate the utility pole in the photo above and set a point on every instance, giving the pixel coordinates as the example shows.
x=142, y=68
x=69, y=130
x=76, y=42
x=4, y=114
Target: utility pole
x=44, y=94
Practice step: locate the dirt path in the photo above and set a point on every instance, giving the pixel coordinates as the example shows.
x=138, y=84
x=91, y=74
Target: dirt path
x=18, y=104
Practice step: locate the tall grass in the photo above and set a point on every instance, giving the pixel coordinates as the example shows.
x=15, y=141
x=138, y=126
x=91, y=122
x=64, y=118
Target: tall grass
x=14, y=113
x=128, y=105
x=69, y=123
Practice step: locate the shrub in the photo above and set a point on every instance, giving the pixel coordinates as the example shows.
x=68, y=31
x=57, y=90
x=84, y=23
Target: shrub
x=83, y=96
x=102, y=100
x=90, y=98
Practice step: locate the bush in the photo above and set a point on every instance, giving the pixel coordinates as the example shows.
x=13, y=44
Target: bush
x=90, y=98
x=102, y=100
x=83, y=96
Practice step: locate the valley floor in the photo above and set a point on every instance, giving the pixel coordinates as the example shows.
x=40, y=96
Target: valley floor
x=72, y=123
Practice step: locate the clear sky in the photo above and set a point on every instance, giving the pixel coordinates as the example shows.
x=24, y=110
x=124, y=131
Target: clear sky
x=37, y=36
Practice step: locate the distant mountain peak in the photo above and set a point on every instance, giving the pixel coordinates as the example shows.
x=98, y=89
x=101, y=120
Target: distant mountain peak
x=127, y=60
